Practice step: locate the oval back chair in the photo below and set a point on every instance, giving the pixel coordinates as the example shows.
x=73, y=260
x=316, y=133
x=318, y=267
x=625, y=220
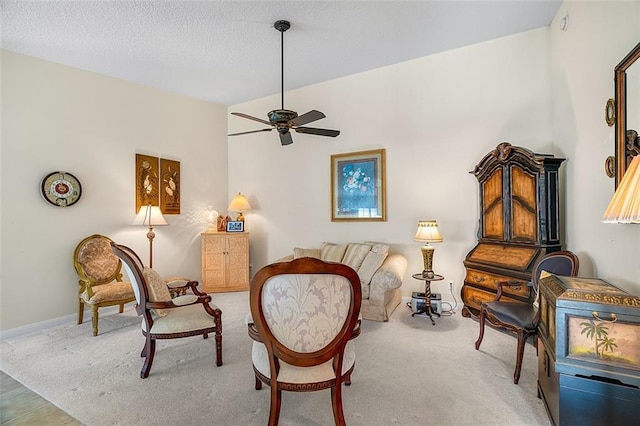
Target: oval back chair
x=100, y=278
x=304, y=313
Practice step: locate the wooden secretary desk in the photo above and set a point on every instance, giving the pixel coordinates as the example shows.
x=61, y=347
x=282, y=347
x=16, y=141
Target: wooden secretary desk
x=519, y=223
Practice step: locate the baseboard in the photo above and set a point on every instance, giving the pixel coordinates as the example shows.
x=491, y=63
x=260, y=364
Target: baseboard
x=43, y=325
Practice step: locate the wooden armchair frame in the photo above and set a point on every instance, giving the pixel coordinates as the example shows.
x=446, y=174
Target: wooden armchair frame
x=99, y=271
x=279, y=352
x=179, y=305
x=519, y=317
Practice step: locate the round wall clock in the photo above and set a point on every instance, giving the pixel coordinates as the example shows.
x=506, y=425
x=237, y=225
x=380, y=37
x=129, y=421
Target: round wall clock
x=61, y=189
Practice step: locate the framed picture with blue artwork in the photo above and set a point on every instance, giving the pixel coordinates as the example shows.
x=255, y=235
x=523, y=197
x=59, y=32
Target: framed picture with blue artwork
x=358, y=186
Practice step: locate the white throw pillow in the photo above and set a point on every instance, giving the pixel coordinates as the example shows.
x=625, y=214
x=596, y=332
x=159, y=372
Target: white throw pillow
x=369, y=266
x=355, y=254
x=330, y=252
x=379, y=247
x=302, y=252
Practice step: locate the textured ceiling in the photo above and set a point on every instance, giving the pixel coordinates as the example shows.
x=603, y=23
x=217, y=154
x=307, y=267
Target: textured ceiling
x=228, y=52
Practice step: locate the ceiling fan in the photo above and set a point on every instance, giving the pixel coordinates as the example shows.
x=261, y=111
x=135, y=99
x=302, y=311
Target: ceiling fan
x=284, y=120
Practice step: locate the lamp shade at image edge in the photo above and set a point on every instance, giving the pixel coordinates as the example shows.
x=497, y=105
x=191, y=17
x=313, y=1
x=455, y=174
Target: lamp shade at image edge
x=624, y=206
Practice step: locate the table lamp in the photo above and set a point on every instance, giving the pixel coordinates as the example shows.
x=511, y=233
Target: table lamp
x=239, y=204
x=428, y=233
x=624, y=206
x=211, y=215
x=150, y=216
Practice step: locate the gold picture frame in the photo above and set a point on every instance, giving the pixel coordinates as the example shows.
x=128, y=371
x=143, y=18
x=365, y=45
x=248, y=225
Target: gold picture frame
x=169, y=186
x=147, y=189
x=358, y=190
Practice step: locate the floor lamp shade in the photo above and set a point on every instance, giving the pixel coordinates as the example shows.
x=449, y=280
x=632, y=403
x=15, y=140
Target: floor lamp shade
x=150, y=216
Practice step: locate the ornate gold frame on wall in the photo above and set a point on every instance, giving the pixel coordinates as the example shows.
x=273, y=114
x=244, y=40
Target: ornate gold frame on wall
x=158, y=183
x=169, y=186
x=146, y=181
x=358, y=186
x=610, y=112
x=625, y=150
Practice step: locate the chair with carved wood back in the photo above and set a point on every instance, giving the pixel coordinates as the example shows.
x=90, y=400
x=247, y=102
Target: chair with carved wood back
x=519, y=317
x=303, y=315
x=165, y=317
x=100, y=278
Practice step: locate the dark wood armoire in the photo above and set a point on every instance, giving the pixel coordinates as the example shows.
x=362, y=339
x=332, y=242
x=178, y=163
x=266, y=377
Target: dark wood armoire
x=519, y=222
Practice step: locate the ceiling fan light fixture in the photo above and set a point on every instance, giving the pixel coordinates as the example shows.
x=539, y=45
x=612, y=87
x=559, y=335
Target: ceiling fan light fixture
x=279, y=115
x=283, y=120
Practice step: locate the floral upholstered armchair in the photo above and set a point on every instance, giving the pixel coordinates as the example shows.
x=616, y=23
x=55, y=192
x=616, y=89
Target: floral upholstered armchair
x=100, y=278
x=304, y=314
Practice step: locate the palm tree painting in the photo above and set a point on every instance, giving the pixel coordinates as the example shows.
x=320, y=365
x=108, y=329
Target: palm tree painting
x=599, y=333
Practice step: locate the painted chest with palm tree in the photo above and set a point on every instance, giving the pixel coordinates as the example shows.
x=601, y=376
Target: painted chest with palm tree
x=590, y=350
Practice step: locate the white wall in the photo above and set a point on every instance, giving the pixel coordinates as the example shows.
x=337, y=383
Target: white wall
x=60, y=118
x=436, y=117
x=600, y=34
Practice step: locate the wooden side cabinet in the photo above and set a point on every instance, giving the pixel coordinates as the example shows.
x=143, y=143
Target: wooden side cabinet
x=225, y=261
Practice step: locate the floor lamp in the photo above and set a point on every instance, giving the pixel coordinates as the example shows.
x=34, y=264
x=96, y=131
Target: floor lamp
x=150, y=216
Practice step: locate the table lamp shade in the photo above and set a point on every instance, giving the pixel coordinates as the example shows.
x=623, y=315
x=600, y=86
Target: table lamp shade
x=428, y=233
x=239, y=204
x=624, y=206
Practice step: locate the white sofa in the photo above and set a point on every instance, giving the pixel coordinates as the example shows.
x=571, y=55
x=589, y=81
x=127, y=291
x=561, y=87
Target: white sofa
x=381, y=273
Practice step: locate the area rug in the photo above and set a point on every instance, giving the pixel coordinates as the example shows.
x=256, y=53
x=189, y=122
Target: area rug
x=408, y=372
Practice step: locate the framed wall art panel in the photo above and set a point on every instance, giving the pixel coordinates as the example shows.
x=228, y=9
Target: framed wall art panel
x=146, y=181
x=358, y=186
x=169, y=186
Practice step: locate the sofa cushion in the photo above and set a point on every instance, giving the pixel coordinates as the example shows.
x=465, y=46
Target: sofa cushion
x=330, y=252
x=302, y=252
x=355, y=254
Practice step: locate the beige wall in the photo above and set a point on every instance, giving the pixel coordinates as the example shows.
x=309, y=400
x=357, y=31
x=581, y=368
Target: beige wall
x=436, y=117
x=600, y=34
x=60, y=118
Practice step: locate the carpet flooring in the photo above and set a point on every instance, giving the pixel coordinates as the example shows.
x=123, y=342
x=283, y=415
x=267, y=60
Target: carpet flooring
x=408, y=372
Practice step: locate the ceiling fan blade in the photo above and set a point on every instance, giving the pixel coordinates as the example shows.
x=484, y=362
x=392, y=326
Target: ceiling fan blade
x=260, y=120
x=286, y=139
x=307, y=117
x=251, y=131
x=321, y=132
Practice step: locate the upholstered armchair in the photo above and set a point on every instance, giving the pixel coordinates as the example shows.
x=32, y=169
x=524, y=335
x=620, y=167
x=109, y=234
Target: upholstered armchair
x=100, y=278
x=165, y=317
x=304, y=314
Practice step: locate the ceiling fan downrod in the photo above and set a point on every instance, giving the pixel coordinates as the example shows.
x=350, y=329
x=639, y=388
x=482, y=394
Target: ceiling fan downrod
x=282, y=26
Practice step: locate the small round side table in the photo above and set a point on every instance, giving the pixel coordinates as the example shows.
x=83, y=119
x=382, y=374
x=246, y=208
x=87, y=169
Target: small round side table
x=427, y=294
